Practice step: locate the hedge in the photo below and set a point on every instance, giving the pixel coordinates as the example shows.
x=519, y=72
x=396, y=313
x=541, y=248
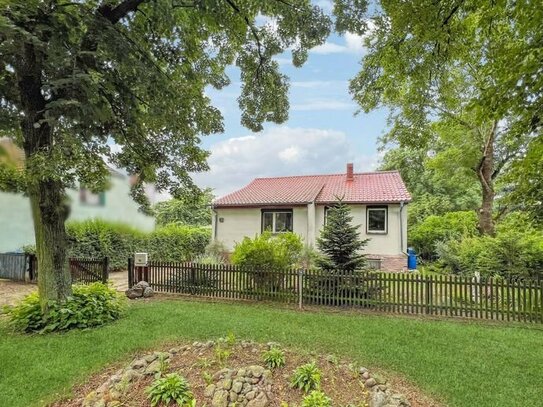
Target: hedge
x=98, y=238
x=432, y=231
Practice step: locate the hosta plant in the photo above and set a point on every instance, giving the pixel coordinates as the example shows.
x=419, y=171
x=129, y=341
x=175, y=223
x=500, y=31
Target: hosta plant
x=274, y=358
x=171, y=388
x=306, y=377
x=316, y=399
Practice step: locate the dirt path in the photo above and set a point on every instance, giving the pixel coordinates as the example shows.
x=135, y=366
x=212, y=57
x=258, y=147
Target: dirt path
x=13, y=291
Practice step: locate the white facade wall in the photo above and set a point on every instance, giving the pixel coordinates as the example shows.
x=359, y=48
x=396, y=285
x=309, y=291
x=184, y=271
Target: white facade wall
x=307, y=222
x=17, y=226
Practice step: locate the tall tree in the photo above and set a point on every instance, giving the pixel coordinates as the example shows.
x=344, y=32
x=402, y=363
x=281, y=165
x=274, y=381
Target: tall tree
x=441, y=67
x=78, y=77
x=339, y=242
x=434, y=187
x=193, y=209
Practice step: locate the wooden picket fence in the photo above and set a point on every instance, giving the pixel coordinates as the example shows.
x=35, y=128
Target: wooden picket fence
x=82, y=270
x=401, y=293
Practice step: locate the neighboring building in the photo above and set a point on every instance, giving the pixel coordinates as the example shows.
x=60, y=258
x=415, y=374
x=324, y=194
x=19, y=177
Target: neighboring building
x=115, y=204
x=299, y=203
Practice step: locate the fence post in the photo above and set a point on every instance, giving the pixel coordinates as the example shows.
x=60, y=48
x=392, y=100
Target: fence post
x=428, y=286
x=130, y=273
x=105, y=270
x=300, y=288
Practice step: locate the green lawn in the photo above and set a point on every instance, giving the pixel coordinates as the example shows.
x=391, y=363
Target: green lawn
x=464, y=364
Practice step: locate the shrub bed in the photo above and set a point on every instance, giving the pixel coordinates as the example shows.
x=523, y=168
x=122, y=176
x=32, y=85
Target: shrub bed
x=89, y=306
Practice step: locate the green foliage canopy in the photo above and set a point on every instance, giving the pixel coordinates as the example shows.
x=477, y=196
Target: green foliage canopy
x=187, y=210
x=454, y=75
x=434, y=229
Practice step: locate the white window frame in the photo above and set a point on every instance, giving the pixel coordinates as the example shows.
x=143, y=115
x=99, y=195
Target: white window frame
x=274, y=220
x=376, y=208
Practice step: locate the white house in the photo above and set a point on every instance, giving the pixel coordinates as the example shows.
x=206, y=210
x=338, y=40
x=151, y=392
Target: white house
x=378, y=202
x=115, y=204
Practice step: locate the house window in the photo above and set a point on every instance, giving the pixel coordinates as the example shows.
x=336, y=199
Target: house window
x=277, y=221
x=376, y=219
x=87, y=197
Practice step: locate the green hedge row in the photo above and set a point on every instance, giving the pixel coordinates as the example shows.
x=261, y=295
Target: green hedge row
x=98, y=238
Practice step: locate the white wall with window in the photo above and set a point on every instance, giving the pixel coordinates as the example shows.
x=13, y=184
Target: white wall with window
x=384, y=226
x=379, y=223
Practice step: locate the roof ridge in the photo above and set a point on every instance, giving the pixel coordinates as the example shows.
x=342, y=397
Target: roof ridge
x=329, y=175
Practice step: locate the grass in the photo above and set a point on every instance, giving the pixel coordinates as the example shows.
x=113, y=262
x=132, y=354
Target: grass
x=463, y=364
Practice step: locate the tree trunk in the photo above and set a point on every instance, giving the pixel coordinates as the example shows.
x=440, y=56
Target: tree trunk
x=47, y=195
x=49, y=212
x=485, y=174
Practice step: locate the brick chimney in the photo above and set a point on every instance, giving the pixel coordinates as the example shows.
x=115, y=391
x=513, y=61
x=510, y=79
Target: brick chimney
x=350, y=175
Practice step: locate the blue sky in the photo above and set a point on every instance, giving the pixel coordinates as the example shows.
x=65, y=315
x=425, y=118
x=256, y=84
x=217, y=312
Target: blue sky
x=321, y=135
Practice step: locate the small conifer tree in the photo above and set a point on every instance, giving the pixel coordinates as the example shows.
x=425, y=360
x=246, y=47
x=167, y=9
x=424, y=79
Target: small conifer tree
x=340, y=242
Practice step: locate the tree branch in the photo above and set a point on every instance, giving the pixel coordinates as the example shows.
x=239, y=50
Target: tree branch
x=115, y=14
x=254, y=33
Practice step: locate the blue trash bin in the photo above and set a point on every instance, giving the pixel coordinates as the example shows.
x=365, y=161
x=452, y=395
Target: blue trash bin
x=411, y=259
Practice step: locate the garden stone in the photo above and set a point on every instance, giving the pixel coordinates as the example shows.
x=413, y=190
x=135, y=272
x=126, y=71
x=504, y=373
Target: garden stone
x=148, y=292
x=233, y=396
x=237, y=386
x=256, y=371
x=250, y=395
x=142, y=284
x=209, y=390
x=378, y=399
x=379, y=379
x=260, y=401
x=134, y=292
x=139, y=364
x=227, y=384
x=153, y=368
x=370, y=382
x=151, y=358
x=365, y=375
x=220, y=399
x=94, y=400
x=399, y=400
x=115, y=378
x=242, y=372
x=382, y=387
x=221, y=374
x=130, y=375
x=114, y=403
x=363, y=370
x=246, y=388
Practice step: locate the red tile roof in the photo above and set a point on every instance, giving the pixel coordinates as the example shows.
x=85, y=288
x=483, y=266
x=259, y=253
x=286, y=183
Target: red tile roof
x=369, y=187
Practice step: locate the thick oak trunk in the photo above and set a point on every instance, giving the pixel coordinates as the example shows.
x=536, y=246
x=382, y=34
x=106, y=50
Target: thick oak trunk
x=47, y=195
x=485, y=173
x=49, y=212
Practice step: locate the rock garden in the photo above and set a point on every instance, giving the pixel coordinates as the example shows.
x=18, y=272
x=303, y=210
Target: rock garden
x=230, y=373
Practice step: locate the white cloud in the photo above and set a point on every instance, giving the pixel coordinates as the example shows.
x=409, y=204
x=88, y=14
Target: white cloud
x=277, y=152
x=329, y=48
x=353, y=43
x=289, y=154
x=323, y=104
